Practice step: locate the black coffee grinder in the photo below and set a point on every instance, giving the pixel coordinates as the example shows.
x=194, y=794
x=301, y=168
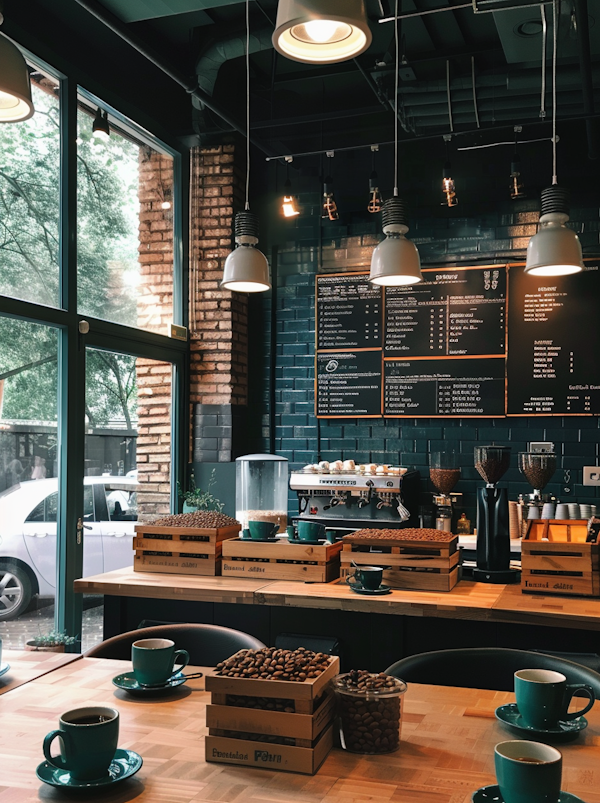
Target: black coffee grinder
x=493, y=535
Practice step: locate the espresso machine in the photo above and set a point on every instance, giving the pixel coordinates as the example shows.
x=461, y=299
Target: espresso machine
x=493, y=535
x=347, y=500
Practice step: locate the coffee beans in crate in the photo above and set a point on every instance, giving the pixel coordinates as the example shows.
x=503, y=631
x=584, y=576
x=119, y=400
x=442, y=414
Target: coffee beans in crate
x=369, y=710
x=273, y=664
x=202, y=519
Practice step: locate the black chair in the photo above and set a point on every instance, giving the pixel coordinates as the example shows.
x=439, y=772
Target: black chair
x=486, y=668
x=206, y=644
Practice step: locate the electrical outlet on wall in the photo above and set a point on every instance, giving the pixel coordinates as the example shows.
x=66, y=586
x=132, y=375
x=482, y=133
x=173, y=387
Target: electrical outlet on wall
x=591, y=475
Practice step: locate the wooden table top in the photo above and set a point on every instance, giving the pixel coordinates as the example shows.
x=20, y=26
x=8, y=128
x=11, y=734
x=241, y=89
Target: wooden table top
x=467, y=600
x=446, y=751
x=26, y=665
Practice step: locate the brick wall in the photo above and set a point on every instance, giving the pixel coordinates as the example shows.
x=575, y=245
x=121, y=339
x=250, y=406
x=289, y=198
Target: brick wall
x=491, y=234
x=218, y=318
x=155, y=313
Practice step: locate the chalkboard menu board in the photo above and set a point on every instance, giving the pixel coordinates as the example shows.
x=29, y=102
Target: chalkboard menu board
x=450, y=313
x=466, y=342
x=349, y=312
x=553, y=365
x=444, y=387
x=349, y=384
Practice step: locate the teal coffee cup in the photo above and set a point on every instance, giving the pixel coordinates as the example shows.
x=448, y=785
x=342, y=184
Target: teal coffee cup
x=543, y=697
x=310, y=531
x=528, y=772
x=89, y=738
x=154, y=660
x=368, y=577
x=263, y=529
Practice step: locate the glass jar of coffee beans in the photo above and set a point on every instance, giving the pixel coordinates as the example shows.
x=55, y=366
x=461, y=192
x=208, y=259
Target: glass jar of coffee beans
x=369, y=711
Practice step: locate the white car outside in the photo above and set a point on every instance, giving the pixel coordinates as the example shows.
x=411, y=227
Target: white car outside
x=28, y=535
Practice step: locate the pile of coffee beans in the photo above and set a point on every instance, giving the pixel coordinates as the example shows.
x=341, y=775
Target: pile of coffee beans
x=369, y=711
x=273, y=664
x=405, y=534
x=204, y=519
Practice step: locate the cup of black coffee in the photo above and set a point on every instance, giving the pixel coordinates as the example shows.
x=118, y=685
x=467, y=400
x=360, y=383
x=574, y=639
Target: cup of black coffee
x=368, y=577
x=528, y=772
x=154, y=660
x=89, y=738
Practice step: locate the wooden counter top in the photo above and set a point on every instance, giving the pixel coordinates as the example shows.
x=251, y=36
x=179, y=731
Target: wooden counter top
x=467, y=600
x=26, y=665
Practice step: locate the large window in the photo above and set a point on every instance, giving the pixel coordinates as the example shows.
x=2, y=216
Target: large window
x=125, y=227
x=88, y=441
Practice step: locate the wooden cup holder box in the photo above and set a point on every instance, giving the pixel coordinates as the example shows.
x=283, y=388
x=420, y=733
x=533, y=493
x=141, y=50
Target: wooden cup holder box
x=282, y=560
x=272, y=724
x=180, y=550
x=556, y=558
x=408, y=564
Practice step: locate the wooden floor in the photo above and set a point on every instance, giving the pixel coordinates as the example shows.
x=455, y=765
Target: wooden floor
x=467, y=600
x=446, y=752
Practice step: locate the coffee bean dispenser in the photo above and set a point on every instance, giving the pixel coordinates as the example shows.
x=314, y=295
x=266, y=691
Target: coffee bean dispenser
x=261, y=489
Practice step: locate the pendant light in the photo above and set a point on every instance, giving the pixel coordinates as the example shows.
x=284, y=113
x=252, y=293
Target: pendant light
x=395, y=261
x=448, y=186
x=555, y=250
x=321, y=31
x=100, y=126
x=517, y=187
x=375, y=199
x=289, y=207
x=246, y=268
x=15, y=87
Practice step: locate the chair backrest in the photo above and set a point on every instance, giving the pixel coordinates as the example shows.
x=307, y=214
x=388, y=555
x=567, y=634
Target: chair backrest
x=486, y=668
x=206, y=644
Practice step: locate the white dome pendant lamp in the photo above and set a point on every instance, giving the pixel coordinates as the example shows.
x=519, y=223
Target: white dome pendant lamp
x=321, y=31
x=15, y=87
x=246, y=268
x=555, y=250
x=395, y=261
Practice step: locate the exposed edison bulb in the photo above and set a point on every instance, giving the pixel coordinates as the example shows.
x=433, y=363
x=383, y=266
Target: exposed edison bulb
x=517, y=187
x=449, y=190
x=329, y=208
x=321, y=31
x=288, y=206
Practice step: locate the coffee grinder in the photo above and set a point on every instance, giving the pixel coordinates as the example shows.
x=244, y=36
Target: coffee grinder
x=444, y=473
x=493, y=536
x=538, y=468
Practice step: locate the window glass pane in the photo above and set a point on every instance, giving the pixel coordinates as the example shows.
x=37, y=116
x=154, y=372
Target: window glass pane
x=125, y=227
x=127, y=458
x=29, y=199
x=28, y=479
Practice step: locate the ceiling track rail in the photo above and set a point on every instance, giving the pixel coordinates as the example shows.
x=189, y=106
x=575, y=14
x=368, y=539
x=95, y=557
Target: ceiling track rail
x=476, y=5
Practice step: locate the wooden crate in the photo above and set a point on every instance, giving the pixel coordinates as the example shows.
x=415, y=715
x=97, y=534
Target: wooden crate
x=296, y=740
x=180, y=550
x=424, y=565
x=556, y=559
x=281, y=560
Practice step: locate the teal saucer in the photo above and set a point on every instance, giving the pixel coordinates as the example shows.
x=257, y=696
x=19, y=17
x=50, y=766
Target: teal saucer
x=565, y=731
x=307, y=543
x=491, y=794
x=260, y=540
x=358, y=589
x=4, y=669
x=125, y=764
x=127, y=682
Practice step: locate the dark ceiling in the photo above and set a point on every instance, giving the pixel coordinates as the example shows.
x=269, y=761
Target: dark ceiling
x=297, y=107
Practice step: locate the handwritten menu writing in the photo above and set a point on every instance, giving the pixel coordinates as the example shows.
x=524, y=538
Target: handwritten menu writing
x=444, y=387
x=450, y=313
x=349, y=312
x=553, y=364
x=349, y=384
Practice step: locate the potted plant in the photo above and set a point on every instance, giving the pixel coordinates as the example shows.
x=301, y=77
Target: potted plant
x=197, y=499
x=53, y=641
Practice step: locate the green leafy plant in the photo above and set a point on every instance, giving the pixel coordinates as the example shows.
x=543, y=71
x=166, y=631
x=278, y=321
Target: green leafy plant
x=54, y=638
x=203, y=500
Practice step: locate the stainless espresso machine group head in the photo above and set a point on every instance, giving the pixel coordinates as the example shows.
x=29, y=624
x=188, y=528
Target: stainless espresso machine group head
x=351, y=499
x=493, y=536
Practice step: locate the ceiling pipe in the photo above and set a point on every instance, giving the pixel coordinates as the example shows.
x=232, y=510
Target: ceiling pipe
x=114, y=24
x=585, y=66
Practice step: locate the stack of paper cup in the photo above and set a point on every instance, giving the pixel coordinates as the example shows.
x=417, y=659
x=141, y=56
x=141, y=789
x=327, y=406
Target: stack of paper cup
x=574, y=510
x=513, y=520
x=548, y=510
x=562, y=511
x=585, y=511
x=533, y=512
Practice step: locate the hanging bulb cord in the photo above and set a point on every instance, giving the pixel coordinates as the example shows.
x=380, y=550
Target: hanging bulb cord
x=544, y=38
x=396, y=104
x=247, y=204
x=554, y=44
